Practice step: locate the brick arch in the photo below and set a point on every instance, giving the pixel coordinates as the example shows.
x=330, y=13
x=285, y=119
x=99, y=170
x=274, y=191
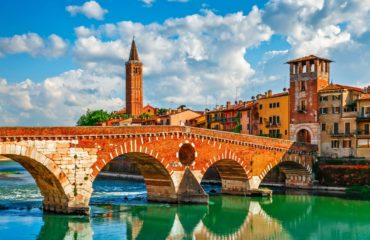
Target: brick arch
x=302, y=163
x=307, y=128
x=155, y=170
x=234, y=177
x=53, y=183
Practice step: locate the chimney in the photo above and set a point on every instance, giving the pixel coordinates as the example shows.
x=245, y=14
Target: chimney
x=228, y=103
x=269, y=93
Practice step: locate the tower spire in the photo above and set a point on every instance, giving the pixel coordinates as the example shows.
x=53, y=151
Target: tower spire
x=134, y=55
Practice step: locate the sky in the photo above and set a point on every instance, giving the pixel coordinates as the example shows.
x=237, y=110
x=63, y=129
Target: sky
x=59, y=58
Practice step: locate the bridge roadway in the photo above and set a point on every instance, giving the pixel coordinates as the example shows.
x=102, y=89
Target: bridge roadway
x=64, y=161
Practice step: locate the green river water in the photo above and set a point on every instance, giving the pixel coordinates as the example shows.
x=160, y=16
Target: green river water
x=119, y=211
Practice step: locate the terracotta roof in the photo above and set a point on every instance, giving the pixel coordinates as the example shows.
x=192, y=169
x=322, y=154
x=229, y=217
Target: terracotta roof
x=365, y=96
x=307, y=58
x=275, y=95
x=333, y=87
x=134, y=55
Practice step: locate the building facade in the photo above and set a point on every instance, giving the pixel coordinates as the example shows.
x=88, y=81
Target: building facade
x=249, y=118
x=337, y=116
x=363, y=126
x=273, y=112
x=134, y=83
x=308, y=75
x=178, y=118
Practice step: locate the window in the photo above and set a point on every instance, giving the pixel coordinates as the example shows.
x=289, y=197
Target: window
x=336, y=110
x=347, y=143
x=277, y=104
x=260, y=106
x=304, y=68
x=367, y=129
x=260, y=120
x=365, y=111
x=286, y=132
x=323, y=127
x=323, y=111
x=261, y=132
x=347, y=128
x=249, y=126
x=335, y=97
x=302, y=86
x=336, y=128
x=323, y=98
x=335, y=144
x=303, y=105
x=271, y=106
x=136, y=70
x=312, y=64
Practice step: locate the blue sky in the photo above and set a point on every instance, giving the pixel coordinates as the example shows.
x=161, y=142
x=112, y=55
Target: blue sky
x=58, y=58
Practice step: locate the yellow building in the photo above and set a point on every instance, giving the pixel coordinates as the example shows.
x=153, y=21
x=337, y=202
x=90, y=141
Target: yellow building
x=363, y=126
x=199, y=122
x=215, y=118
x=273, y=111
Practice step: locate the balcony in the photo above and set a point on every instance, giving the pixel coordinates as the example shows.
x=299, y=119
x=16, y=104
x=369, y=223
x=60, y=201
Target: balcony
x=273, y=135
x=272, y=125
x=363, y=117
x=301, y=110
x=342, y=134
x=362, y=134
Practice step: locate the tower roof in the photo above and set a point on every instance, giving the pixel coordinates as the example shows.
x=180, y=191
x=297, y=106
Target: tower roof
x=134, y=55
x=307, y=58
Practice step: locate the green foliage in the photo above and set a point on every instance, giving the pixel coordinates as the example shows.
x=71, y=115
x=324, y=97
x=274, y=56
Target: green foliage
x=238, y=127
x=182, y=107
x=145, y=115
x=114, y=115
x=162, y=111
x=92, y=118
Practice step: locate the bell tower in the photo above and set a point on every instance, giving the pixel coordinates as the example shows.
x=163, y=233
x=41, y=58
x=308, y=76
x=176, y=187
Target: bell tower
x=308, y=75
x=134, y=83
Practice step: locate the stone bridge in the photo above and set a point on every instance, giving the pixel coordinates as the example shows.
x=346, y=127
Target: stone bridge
x=64, y=161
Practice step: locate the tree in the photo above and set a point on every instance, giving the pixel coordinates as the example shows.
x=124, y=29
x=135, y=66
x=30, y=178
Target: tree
x=92, y=118
x=162, y=111
x=182, y=107
x=145, y=115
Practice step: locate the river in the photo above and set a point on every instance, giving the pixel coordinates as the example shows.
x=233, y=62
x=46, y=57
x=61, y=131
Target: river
x=119, y=211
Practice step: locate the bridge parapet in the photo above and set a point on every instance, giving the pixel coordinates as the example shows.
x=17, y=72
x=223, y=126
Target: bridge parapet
x=62, y=133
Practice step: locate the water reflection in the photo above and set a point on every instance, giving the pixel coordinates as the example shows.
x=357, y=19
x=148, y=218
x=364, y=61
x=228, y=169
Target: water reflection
x=225, y=217
x=285, y=217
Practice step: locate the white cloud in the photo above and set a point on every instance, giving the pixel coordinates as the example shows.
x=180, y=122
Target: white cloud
x=90, y=9
x=148, y=3
x=318, y=27
x=185, y=59
x=33, y=44
x=59, y=100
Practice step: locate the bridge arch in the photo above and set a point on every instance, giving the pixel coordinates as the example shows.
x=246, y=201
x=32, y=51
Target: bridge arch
x=292, y=171
x=53, y=183
x=157, y=176
x=234, y=177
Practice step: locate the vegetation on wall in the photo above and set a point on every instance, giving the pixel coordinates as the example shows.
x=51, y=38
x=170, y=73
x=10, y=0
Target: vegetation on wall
x=238, y=127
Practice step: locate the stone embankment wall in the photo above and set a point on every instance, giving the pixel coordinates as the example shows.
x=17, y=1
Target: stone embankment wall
x=343, y=174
